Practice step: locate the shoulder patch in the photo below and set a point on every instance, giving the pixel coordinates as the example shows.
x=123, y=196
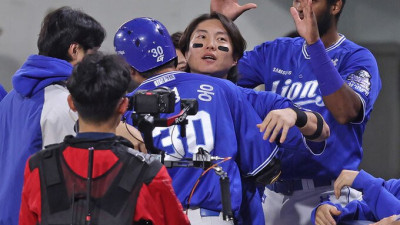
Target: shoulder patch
x=360, y=81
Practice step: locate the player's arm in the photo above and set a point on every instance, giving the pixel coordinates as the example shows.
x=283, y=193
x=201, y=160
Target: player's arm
x=230, y=8
x=329, y=213
x=324, y=215
x=379, y=195
x=345, y=178
x=311, y=124
x=341, y=100
x=279, y=114
x=391, y=220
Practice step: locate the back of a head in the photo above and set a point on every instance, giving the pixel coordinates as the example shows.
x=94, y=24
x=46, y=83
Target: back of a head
x=176, y=37
x=145, y=44
x=64, y=26
x=97, y=85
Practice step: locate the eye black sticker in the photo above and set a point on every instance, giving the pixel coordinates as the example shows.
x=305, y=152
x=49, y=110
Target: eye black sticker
x=197, y=45
x=223, y=48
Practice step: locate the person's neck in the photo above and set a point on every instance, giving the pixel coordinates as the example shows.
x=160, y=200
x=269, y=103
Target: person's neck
x=106, y=127
x=330, y=37
x=166, y=70
x=223, y=74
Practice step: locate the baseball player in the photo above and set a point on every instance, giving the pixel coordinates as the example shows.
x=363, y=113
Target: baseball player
x=322, y=71
x=224, y=126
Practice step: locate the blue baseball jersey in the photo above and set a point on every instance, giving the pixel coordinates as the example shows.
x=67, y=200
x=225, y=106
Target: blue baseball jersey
x=3, y=92
x=225, y=126
x=283, y=66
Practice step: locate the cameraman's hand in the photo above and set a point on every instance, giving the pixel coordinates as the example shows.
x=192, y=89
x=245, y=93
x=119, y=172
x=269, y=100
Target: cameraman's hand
x=276, y=121
x=133, y=135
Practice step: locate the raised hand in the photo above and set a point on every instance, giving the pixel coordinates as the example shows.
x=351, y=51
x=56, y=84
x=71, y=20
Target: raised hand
x=305, y=20
x=230, y=8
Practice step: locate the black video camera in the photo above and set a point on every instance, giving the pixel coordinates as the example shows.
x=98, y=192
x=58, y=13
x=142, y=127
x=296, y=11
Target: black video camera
x=159, y=100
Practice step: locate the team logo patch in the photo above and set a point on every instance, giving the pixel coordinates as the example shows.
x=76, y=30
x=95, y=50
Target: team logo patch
x=360, y=81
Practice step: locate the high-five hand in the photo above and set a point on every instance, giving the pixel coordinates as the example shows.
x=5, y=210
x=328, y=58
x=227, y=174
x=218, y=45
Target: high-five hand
x=230, y=8
x=305, y=20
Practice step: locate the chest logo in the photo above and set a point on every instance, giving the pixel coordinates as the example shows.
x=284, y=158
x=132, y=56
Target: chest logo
x=301, y=93
x=282, y=72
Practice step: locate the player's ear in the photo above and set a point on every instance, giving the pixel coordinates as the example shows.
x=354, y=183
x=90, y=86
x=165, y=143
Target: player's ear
x=71, y=103
x=337, y=7
x=235, y=61
x=74, y=52
x=123, y=105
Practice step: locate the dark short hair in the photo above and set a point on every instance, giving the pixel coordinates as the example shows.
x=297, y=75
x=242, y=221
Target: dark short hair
x=331, y=2
x=64, y=26
x=238, y=42
x=175, y=38
x=97, y=84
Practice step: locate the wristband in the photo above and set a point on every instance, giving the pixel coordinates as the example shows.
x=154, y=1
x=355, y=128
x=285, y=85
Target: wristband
x=329, y=79
x=320, y=124
x=301, y=120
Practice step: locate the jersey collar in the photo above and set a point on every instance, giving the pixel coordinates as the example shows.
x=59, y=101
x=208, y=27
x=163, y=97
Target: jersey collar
x=337, y=43
x=158, y=76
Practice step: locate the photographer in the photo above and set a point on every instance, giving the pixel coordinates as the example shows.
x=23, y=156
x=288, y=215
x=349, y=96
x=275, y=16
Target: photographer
x=107, y=181
x=224, y=126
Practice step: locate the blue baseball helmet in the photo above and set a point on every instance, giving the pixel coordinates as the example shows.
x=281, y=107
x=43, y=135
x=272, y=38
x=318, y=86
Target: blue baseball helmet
x=144, y=43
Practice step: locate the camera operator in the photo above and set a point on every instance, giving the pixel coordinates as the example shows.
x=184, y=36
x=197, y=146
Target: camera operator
x=224, y=126
x=97, y=177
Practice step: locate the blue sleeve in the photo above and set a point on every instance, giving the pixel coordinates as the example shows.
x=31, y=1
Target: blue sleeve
x=360, y=72
x=265, y=101
x=355, y=210
x=380, y=196
x=3, y=92
x=252, y=65
x=254, y=152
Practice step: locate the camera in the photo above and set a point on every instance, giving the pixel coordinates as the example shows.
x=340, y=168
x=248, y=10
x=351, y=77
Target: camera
x=159, y=100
